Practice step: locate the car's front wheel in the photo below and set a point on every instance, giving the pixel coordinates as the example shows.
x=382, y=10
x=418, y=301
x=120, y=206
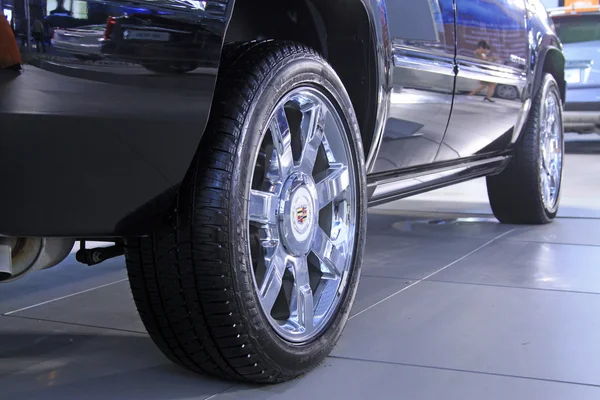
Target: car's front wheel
x=254, y=274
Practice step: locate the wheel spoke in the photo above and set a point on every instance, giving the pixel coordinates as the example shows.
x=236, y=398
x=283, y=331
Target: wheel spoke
x=545, y=130
x=336, y=180
x=271, y=286
x=546, y=186
x=329, y=254
x=304, y=296
x=544, y=158
x=282, y=140
x=263, y=206
x=313, y=131
x=551, y=112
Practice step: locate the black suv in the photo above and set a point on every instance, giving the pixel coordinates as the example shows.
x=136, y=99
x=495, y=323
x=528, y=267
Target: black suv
x=237, y=187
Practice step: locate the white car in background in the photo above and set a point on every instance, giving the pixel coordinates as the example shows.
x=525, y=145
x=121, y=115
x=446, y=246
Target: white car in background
x=82, y=42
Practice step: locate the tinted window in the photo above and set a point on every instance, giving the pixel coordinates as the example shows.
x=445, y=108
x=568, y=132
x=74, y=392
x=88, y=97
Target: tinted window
x=580, y=28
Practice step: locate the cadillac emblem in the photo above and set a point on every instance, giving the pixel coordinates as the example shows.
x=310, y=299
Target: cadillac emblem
x=301, y=214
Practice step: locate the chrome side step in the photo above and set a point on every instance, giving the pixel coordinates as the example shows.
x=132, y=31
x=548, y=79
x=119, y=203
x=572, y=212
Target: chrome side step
x=388, y=188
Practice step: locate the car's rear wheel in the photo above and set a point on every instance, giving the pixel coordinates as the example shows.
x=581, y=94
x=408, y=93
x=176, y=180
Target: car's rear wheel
x=254, y=274
x=528, y=190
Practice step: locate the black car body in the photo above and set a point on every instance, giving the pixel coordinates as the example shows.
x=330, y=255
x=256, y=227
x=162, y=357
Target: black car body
x=116, y=148
x=180, y=171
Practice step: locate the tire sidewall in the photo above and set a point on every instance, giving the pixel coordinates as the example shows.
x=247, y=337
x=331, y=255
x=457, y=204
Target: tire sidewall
x=301, y=69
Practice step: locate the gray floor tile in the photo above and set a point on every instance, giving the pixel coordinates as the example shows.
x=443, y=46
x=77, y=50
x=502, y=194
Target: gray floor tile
x=435, y=205
x=374, y=289
x=61, y=361
x=113, y=307
x=108, y=307
x=400, y=256
x=353, y=379
x=530, y=333
x=533, y=265
x=562, y=230
x=574, y=208
x=64, y=279
x=435, y=225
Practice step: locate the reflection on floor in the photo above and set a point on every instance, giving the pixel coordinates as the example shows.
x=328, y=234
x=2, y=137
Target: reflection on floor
x=451, y=305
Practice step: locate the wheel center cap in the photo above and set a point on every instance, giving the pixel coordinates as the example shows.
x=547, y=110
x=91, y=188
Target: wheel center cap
x=302, y=213
x=298, y=216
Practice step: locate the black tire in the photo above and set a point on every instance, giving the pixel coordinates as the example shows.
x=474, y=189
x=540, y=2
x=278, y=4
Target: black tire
x=516, y=194
x=192, y=280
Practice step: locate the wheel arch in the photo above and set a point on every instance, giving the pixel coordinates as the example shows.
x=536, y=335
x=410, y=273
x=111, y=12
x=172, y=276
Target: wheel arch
x=342, y=31
x=551, y=61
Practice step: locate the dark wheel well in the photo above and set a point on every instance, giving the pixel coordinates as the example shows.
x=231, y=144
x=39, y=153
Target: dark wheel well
x=554, y=64
x=338, y=29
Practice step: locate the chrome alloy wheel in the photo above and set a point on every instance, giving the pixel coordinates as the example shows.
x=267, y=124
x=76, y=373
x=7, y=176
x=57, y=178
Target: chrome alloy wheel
x=302, y=215
x=551, y=151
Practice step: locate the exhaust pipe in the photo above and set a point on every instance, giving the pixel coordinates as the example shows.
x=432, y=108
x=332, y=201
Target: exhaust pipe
x=19, y=256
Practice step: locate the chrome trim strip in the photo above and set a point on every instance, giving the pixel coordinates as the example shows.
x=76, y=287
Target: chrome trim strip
x=382, y=115
x=478, y=72
x=391, y=187
x=418, y=52
x=489, y=66
x=435, y=61
x=523, y=114
x=428, y=65
x=153, y=29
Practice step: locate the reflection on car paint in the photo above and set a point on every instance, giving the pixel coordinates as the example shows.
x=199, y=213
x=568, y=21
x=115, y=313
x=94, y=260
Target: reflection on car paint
x=139, y=105
x=421, y=96
x=492, y=44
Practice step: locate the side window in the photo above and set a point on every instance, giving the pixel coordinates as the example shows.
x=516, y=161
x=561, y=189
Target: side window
x=493, y=31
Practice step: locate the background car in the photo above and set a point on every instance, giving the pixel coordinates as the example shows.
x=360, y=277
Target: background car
x=158, y=43
x=82, y=42
x=579, y=30
x=508, y=92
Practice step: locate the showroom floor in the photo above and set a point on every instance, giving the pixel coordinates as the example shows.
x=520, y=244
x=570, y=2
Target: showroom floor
x=451, y=305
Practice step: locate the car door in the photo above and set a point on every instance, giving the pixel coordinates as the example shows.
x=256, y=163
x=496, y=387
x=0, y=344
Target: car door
x=492, y=54
x=422, y=34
